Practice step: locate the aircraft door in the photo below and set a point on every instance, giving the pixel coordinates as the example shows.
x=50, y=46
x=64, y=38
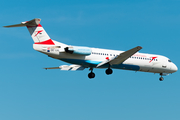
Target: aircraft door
x=165, y=63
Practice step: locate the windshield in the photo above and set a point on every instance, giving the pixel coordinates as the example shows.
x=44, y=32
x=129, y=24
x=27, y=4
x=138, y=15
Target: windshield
x=169, y=61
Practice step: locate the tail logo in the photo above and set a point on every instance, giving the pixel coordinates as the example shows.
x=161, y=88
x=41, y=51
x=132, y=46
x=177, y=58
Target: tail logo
x=38, y=32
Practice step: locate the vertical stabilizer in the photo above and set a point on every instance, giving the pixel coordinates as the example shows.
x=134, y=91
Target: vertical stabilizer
x=36, y=31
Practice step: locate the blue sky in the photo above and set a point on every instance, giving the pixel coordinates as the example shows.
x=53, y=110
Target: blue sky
x=27, y=92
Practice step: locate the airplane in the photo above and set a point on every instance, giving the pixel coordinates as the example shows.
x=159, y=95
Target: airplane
x=85, y=57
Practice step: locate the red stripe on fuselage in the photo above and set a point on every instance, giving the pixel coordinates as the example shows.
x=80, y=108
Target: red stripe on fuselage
x=47, y=42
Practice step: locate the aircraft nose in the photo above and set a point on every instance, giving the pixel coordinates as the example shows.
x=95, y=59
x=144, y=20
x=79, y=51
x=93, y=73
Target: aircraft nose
x=174, y=67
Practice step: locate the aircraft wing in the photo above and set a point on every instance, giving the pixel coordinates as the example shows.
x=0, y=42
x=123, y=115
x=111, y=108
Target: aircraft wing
x=67, y=67
x=121, y=57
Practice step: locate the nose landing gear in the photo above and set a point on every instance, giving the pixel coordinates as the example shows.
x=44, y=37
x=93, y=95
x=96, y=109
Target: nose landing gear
x=161, y=78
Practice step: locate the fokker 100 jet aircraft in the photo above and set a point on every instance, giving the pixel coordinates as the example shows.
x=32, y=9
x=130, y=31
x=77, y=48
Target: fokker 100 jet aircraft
x=86, y=57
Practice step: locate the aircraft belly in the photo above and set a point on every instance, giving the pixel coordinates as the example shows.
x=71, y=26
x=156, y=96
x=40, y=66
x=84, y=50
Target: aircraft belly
x=90, y=63
x=83, y=62
x=126, y=67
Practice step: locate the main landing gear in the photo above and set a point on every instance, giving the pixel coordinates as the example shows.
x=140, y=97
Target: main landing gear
x=109, y=71
x=161, y=78
x=92, y=74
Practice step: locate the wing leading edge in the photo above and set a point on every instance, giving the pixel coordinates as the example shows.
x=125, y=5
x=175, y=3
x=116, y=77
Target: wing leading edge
x=121, y=57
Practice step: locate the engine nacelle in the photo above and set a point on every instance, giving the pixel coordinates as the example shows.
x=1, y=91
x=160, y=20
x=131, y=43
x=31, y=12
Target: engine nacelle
x=78, y=50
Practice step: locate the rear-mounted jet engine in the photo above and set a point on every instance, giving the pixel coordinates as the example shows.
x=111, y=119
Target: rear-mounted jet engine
x=78, y=50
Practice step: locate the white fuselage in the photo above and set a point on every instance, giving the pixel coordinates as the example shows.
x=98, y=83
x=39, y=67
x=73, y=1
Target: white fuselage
x=138, y=62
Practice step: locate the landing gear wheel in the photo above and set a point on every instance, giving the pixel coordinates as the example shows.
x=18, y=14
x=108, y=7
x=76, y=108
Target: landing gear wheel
x=161, y=78
x=91, y=75
x=109, y=71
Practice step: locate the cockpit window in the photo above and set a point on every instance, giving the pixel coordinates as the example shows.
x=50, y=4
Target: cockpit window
x=169, y=61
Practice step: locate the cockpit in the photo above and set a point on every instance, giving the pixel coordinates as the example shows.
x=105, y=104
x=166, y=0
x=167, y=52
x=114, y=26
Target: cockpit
x=169, y=61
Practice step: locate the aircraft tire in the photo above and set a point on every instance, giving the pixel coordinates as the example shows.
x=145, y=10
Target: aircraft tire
x=109, y=71
x=91, y=75
x=161, y=78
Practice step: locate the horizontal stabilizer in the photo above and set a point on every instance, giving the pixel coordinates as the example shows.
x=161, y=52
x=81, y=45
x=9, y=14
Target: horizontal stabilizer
x=52, y=68
x=66, y=67
x=33, y=22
